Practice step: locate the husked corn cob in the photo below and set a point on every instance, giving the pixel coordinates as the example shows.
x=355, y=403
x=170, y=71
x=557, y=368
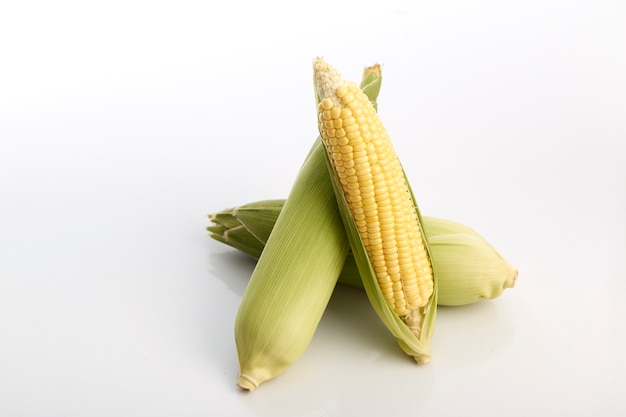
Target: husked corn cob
x=469, y=269
x=376, y=191
x=378, y=211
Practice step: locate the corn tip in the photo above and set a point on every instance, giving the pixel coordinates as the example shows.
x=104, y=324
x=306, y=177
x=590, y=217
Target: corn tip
x=246, y=382
x=510, y=282
x=327, y=80
x=422, y=359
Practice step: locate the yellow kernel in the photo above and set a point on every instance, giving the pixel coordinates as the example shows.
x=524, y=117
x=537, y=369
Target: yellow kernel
x=348, y=98
x=378, y=262
x=405, y=263
x=375, y=241
x=326, y=104
x=386, y=220
x=385, y=285
x=366, y=186
x=346, y=149
x=376, y=246
x=360, y=161
x=377, y=259
x=371, y=218
x=382, y=199
x=380, y=269
x=350, y=128
x=360, y=147
x=392, y=253
x=353, y=135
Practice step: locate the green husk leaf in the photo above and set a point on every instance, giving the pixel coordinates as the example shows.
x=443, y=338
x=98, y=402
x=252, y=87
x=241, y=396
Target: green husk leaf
x=246, y=227
x=371, y=81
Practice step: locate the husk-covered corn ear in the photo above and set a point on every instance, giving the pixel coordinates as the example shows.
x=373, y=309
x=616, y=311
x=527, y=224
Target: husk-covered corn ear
x=292, y=281
x=294, y=278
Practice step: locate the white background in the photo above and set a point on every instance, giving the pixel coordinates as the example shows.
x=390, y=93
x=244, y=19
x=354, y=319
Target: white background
x=124, y=123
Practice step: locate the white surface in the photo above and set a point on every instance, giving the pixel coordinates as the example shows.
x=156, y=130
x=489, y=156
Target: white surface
x=123, y=124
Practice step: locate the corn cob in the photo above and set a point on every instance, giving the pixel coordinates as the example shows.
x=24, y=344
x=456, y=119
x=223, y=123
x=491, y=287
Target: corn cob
x=294, y=277
x=469, y=269
x=379, y=211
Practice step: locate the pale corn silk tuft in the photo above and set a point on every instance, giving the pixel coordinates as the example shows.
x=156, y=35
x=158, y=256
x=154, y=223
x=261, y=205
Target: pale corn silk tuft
x=328, y=80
